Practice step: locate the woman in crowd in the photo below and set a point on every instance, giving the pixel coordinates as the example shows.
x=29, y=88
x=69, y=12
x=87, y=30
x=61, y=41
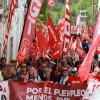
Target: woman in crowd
x=33, y=75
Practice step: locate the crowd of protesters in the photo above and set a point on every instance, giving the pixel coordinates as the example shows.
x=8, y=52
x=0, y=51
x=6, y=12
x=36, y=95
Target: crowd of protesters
x=62, y=71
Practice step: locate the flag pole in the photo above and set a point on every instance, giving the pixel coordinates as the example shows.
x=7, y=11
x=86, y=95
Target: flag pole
x=92, y=12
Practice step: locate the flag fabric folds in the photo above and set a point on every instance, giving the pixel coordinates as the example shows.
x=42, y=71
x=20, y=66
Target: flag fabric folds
x=86, y=65
x=67, y=28
x=29, y=29
x=12, y=9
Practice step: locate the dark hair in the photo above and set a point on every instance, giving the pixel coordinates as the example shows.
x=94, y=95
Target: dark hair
x=2, y=59
x=41, y=58
x=62, y=63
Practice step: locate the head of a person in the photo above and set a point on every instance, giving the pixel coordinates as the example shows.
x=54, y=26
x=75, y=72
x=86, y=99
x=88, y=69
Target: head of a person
x=44, y=66
x=23, y=67
x=84, y=42
x=65, y=71
x=32, y=70
x=96, y=71
x=13, y=62
x=65, y=60
x=3, y=61
x=59, y=66
x=40, y=60
x=10, y=70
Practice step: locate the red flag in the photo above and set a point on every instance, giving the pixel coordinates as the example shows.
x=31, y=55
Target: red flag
x=53, y=40
x=29, y=29
x=52, y=30
x=85, y=36
x=71, y=42
x=98, y=49
x=86, y=65
x=67, y=27
x=80, y=50
x=12, y=8
x=42, y=39
x=91, y=29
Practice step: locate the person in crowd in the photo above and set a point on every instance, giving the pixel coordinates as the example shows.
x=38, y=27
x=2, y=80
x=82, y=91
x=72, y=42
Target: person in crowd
x=58, y=69
x=45, y=72
x=47, y=75
x=41, y=71
x=63, y=77
x=79, y=62
x=33, y=75
x=85, y=46
x=94, y=76
x=13, y=62
x=23, y=73
x=39, y=62
x=74, y=78
x=3, y=64
x=10, y=73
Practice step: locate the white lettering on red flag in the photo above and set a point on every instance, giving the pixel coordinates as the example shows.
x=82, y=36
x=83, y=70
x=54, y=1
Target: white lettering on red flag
x=29, y=29
x=66, y=29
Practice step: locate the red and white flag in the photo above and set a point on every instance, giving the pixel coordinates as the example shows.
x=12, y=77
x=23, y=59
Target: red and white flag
x=29, y=29
x=67, y=28
x=78, y=23
x=85, y=36
x=85, y=67
x=42, y=39
x=98, y=49
x=80, y=50
x=91, y=29
x=54, y=41
x=12, y=9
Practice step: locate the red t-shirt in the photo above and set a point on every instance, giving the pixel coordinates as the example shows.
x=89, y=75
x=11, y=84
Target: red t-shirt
x=23, y=76
x=56, y=72
x=74, y=80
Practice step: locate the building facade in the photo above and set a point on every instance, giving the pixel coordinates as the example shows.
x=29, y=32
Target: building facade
x=15, y=29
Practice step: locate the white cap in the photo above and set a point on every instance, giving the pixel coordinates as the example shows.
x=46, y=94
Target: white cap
x=74, y=69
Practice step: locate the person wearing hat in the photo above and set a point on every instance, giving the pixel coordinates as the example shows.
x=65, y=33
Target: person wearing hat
x=74, y=78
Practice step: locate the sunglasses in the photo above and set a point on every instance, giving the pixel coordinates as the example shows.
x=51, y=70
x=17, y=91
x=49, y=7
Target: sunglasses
x=64, y=70
x=44, y=66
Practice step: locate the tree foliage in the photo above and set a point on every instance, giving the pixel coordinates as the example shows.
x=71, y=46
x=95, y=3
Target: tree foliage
x=75, y=5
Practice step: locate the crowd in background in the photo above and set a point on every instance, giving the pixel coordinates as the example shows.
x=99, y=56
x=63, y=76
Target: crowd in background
x=62, y=71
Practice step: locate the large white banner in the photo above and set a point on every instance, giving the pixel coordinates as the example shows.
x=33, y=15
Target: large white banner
x=92, y=91
x=4, y=90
